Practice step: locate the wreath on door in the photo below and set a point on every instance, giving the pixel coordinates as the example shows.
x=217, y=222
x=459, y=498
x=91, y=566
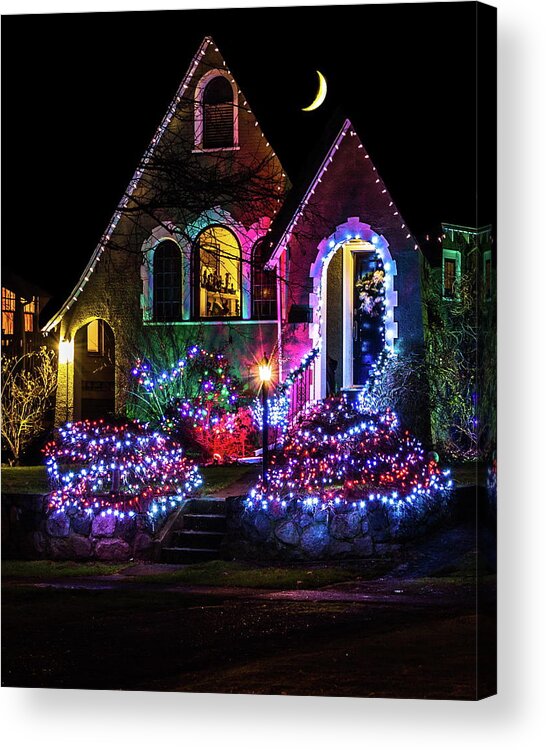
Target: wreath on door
x=371, y=293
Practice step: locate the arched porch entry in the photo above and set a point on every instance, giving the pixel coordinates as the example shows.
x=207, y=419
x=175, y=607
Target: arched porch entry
x=94, y=370
x=348, y=332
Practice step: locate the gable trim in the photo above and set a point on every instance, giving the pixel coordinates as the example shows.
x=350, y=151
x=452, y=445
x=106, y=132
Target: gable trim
x=346, y=128
x=99, y=249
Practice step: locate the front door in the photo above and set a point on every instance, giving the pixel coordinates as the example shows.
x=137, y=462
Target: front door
x=368, y=309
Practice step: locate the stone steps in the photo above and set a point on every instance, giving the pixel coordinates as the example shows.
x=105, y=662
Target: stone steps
x=197, y=539
x=204, y=522
x=199, y=533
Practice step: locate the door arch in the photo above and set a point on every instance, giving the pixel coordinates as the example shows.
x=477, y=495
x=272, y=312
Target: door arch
x=94, y=371
x=355, y=250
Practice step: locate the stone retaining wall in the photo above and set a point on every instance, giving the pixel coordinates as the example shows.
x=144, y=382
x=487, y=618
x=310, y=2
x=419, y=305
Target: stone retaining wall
x=28, y=531
x=297, y=533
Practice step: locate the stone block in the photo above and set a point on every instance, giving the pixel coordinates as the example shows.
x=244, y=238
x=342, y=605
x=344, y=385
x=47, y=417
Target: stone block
x=340, y=549
x=321, y=516
x=112, y=550
x=287, y=533
x=80, y=547
x=126, y=528
x=58, y=524
x=104, y=525
x=387, y=550
x=363, y=546
x=60, y=548
x=142, y=548
x=315, y=540
x=262, y=525
x=378, y=524
x=345, y=525
x=81, y=523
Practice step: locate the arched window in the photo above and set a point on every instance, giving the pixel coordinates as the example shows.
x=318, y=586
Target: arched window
x=218, y=274
x=264, y=285
x=167, y=275
x=218, y=114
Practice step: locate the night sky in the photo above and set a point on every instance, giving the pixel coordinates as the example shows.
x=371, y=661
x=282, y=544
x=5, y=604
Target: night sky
x=84, y=94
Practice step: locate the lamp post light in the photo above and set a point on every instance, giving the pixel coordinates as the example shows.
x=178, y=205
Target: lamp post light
x=264, y=371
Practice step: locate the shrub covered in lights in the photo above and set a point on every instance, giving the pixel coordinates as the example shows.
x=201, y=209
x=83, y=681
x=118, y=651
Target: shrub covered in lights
x=125, y=469
x=344, y=455
x=198, y=401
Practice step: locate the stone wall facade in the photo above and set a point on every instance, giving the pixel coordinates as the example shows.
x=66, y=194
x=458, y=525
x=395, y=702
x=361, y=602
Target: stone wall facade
x=294, y=532
x=29, y=531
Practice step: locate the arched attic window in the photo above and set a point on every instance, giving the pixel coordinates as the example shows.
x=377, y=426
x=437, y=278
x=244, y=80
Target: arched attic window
x=218, y=274
x=264, y=285
x=218, y=114
x=167, y=276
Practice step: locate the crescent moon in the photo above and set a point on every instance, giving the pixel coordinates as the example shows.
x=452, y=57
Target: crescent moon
x=321, y=94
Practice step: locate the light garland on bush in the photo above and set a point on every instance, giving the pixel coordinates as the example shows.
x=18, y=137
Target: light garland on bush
x=336, y=457
x=125, y=469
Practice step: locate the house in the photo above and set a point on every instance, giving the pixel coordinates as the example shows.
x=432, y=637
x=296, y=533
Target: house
x=22, y=303
x=211, y=243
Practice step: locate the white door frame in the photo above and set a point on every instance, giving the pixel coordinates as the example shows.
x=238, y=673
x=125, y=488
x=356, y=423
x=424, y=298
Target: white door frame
x=353, y=236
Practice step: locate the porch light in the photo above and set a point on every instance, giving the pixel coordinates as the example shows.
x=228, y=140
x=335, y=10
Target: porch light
x=66, y=351
x=264, y=370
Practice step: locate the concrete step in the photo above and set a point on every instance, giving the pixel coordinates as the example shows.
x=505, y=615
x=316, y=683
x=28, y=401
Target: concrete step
x=207, y=506
x=204, y=522
x=187, y=555
x=197, y=539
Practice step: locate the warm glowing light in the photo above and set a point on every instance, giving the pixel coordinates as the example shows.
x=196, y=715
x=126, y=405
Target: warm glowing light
x=264, y=370
x=66, y=351
x=321, y=94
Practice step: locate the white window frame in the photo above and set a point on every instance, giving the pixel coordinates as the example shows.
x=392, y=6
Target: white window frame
x=198, y=112
x=455, y=255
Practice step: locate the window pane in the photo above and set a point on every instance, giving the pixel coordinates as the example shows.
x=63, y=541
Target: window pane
x=93, y=338
x=449, y=277
x=30, y=310
x=219, y=274
x=8, y=310
x=218, y=114
x=167, y=282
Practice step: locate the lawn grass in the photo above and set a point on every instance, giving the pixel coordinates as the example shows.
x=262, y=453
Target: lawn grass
x=246, y=575
x=47, y=569
x=214, y=573
x=25, y=480
x=32, y=480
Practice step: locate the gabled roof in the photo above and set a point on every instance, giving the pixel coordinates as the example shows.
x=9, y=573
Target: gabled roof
x=23, y=287
x=303, y=194
x=207, y=46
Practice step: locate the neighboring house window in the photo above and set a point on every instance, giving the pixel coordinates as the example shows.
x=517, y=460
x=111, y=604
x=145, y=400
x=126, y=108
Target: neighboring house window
x=451, y=272
x=264, y=286
x=218, y=274
x=449, y=277
x=167, y=276
x=218, y=114
x=95, y=337
x=30, y=310
x=8, y=311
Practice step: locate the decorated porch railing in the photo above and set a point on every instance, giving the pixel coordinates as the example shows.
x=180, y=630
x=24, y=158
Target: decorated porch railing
x=299, y=386
x=287, y=401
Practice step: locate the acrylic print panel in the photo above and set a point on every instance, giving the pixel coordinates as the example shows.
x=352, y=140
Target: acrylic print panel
x=252, y=445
